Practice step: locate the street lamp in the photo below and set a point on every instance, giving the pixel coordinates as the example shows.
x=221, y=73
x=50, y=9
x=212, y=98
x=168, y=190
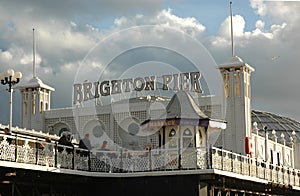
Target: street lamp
x=11, y=78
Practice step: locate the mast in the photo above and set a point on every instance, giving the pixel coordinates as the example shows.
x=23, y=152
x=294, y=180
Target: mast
x=33, y=51
x=231, y=33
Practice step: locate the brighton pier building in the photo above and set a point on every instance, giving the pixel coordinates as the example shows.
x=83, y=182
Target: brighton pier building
x=157, y=145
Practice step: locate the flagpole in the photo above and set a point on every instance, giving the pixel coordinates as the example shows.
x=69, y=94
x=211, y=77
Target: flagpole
x=33, y=57
x=232, y=50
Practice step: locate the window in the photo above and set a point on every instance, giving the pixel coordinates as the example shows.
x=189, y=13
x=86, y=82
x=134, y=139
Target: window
x=200, y=137
x=173, y=139
x=187, y=132
x=41, y=107
x=25, y=107
x=279, y=160
x=272, y=161
x=187, y=138
x=172, y=133
x=33, y=103
x=227, y=89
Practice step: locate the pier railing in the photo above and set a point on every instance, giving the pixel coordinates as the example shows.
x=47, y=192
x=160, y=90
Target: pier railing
x=30, y=150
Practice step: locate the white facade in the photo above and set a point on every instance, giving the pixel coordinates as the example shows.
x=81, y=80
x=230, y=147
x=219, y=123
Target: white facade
x=111, y=122
x=237, y=88
x=35, y=100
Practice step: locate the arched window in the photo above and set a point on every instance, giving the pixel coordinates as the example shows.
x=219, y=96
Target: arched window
x=41, y=107
x=173, y=139
x=187, y=138
x=25, y=107
x=33, y=103
x=172, y=133
x=187, y=132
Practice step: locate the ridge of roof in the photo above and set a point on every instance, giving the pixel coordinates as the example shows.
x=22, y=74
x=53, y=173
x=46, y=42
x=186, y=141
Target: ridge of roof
x=33, y=83
x=182, y=105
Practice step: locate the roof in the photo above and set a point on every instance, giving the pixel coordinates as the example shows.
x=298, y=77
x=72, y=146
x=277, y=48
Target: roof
x=182, y=109
x=182, y=105
x=236, y=62
x=280, y=124
x=34, y=83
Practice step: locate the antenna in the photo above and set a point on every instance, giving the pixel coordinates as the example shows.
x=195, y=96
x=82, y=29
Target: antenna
x=232, y=50
x=33, y=51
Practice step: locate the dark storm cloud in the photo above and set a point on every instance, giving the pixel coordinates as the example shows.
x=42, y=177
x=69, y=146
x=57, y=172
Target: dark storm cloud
x=70, y=9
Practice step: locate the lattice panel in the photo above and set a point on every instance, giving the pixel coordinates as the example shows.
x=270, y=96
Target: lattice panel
x=81, y=162
x=64, y=159
x=226, y=163
x=202, y=159
x=7, y=151
x=171, y=161
x=128, y=164
x=274, y=176
x=253, y=169
x=217, y=161
x=286, y=178
x=115, y=163
x=245, y=168
x=98, y=165
x=268, y=174
x=26, y=154
x=46, y=157
x=292, y=179
x=236, y=166
x=157, y=161
x=140, y=163
x=260, y=172
x=297, y=182
x=189, y=159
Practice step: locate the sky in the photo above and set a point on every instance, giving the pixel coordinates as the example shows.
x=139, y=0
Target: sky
x=266, y=36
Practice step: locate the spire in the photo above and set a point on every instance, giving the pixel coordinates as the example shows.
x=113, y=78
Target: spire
x=231, y=33
x=33, y=58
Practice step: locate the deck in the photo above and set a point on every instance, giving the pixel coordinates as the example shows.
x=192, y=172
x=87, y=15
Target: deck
x=25, y=152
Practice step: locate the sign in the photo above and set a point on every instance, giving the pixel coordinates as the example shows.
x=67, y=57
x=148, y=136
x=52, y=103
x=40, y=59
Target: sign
x=183, y=81
x=175, y=122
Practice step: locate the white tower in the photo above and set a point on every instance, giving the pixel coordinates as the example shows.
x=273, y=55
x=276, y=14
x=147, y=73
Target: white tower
x=35, y=99
x=237, y=88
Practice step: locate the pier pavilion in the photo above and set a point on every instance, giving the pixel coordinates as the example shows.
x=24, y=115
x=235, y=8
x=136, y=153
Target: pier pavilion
x=190, y=151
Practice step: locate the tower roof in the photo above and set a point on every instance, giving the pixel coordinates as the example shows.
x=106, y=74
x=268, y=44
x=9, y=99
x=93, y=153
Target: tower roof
x=182, y=109
x=182, y=105
x=35, y=82
x=235, y=62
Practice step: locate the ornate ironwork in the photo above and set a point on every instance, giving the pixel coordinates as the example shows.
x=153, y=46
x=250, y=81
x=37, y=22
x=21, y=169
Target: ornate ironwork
x=33, y=151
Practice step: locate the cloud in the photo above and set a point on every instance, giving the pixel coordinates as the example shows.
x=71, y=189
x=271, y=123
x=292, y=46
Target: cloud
x=64, y=38
x=276, y=34
x=75, y=9
x=164, y=18
x=259, y=6
x=5, y=56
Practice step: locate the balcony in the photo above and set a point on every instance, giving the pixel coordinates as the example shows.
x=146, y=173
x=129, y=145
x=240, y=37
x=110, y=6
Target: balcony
x=25, y=152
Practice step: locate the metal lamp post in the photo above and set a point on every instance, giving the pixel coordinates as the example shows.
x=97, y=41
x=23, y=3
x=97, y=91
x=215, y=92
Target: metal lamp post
x=11, y=78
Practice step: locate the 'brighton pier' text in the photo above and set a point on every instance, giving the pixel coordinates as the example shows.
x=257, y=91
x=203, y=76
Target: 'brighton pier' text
x=183, y=81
